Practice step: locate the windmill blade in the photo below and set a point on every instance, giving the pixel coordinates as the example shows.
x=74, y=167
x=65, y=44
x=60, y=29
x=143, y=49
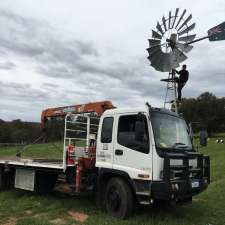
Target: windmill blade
x=161, y=66
x=178, y=56
x=159, y=28
x=156, y=35
x=184, y=47
x=156, y=62
x=164, y=23
x=173, y=63
x=155, y=58
x=175, y=17
x=153, y=50
x=181, y=18
x=157, y=45
x=169, y=20
x=185, y=22
x=187, y=29
x=187, y=38
x=153, y=42
x=166, y=63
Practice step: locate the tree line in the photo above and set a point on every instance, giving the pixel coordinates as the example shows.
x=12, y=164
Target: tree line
x=204, y=112
x=18, y=131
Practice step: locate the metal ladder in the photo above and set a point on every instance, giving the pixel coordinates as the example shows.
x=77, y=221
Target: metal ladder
x=170, y=101
x=81, y=127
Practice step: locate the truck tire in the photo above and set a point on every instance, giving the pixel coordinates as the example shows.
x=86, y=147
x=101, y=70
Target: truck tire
x=118, y=198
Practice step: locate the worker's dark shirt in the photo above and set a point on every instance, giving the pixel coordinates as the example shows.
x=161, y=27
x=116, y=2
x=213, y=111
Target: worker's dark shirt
x=184, y=74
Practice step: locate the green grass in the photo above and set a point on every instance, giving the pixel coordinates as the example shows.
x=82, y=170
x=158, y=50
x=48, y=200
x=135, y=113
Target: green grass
x=50, y=150
x=208, y=208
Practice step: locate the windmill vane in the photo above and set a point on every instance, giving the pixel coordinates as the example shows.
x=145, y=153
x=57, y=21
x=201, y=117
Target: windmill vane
x=215, y=30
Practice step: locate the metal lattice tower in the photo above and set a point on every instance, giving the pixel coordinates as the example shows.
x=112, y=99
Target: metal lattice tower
x=171, y=93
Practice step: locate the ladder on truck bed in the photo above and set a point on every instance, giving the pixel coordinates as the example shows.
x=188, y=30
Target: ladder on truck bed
x=80, y=130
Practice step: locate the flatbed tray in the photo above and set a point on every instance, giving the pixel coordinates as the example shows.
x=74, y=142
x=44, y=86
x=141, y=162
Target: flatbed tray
x=32, y=162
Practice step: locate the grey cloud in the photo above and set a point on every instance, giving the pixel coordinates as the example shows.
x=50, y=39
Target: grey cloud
x=7, y=66
x=50, y=85
x=9, y=107
x=23, y=92
x=210, y=76
x=19, y=19
x=3, y=53
x=53, y=57
x=25, y=102
x=37, y=40
x=55, y=71
x=75, y=60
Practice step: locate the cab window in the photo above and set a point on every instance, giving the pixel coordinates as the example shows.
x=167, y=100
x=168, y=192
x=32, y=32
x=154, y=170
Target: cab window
x=133, y=133
x=107, y=127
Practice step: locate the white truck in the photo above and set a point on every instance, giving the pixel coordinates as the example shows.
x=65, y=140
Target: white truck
x=130, y=156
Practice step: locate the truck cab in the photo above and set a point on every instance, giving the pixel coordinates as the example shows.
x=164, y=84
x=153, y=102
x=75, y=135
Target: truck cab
x=145, y=155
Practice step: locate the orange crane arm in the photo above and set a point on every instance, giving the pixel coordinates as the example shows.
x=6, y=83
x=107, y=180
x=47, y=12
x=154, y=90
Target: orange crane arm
x=97, y=107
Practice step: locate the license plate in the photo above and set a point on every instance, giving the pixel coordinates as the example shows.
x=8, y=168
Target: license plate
x=195, y=184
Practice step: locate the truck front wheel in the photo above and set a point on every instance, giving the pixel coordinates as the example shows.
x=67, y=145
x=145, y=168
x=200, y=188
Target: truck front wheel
x=118, y=198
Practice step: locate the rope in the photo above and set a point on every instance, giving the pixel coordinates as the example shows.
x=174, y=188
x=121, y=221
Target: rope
x=18, y=154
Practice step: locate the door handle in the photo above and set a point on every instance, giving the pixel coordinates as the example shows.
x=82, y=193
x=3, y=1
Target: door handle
x=118, y=152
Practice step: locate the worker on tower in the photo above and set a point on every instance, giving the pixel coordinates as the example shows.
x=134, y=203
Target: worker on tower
x=181, y=80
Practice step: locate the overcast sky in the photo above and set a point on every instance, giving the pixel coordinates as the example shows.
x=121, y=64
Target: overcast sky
x=55, y=53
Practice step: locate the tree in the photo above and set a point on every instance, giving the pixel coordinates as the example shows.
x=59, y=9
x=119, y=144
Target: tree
x=207, y=110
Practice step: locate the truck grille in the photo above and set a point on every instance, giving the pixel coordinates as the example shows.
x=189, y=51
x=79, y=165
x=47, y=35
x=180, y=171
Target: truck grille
x=185, y=171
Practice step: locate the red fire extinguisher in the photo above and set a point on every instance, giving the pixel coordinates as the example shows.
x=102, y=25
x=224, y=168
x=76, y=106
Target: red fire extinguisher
x=70, y=153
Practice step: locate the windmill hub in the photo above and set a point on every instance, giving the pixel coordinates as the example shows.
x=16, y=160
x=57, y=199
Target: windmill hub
x=168, y=41
x=172, y=41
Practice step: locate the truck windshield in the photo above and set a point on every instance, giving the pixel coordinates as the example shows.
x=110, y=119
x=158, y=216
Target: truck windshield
x=170, y=132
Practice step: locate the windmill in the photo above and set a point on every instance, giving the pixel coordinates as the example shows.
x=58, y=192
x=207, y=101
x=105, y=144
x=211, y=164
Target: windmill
x=169, y=44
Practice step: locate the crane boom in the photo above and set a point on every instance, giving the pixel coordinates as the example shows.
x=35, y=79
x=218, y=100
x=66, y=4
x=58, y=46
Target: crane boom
x=96, y=107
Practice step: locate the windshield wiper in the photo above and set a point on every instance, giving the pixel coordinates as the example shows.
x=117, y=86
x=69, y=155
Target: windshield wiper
x=178, y=145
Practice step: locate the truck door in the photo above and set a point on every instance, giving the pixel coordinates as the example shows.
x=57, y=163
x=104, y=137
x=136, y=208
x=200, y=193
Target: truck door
x=104, y=156
x=132, y=151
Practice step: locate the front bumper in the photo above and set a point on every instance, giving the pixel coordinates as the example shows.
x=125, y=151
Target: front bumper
x=190, y=182
x=177, y=190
